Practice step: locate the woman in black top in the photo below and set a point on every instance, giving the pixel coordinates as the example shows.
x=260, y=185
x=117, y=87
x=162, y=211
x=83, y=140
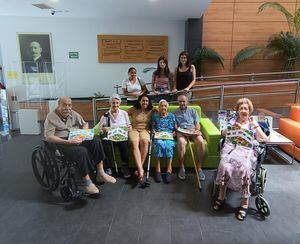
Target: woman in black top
x=185, y=74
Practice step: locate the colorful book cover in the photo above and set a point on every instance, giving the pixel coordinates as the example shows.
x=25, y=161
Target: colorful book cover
x=117, y=134
x=85, y=135
x=163, y=135
x=240, y=136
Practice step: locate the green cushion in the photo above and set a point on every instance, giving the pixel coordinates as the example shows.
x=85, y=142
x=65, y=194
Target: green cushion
x=209, y=131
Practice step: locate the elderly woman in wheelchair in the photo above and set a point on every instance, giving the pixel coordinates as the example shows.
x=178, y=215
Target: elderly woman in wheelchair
x=238, y=161
x=85, y=154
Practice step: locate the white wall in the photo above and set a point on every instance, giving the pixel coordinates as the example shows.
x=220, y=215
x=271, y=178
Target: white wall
x=84, y=76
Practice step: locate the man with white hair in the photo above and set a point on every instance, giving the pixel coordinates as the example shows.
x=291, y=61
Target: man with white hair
x=187, y=118
x=57, y=128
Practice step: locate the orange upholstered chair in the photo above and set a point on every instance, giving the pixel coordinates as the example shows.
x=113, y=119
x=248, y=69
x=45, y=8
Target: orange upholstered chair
x=290, y=128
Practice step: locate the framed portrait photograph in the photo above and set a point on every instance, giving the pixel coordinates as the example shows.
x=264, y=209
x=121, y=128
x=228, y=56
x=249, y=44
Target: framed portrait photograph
x=35, y=52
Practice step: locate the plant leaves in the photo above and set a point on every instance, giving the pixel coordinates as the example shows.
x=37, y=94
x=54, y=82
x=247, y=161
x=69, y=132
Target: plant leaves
x=279, y=7
x=245, y=54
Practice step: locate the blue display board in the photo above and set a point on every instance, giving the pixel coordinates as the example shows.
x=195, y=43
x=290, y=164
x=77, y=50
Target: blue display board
x=4, y=120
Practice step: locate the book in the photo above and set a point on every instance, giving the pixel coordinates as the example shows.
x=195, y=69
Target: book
x=240, y=136
x=190, y=132
x=83, y=134
x=117, y=134
x=164, y=135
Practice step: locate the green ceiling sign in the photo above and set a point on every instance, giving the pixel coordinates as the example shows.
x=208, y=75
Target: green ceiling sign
x=74, y=55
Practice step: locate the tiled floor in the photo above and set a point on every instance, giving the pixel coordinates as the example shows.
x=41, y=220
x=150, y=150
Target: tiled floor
x=174, y=213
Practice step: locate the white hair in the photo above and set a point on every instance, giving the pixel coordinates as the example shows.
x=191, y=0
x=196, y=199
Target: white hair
x=114, y=96
x=161, y=101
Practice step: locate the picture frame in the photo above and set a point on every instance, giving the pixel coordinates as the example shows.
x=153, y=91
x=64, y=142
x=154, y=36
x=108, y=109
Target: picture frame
x=36, y=52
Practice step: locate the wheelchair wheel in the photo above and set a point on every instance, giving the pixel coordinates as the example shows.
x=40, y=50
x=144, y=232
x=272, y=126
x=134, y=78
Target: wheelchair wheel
x=66, y=193
x=263, y=178
x=214, y=189
x=262, y=206
x=45, y=168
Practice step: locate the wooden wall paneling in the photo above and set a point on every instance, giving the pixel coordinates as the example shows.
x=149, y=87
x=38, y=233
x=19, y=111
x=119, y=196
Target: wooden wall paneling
x=214, y=31
x=42, y=108
x=263, y=1
x=85, y=109
x=248, y=12
x=256, y=31
x=219, y=12
x=222, y=47
x=216, y=69
x=257, y=66
x=239, y=45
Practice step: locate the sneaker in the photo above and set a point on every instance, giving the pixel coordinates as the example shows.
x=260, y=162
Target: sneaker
x=106, y=178
x=168, y=177
x=108, y=171
x=158, y=177
x=91, y=189
x=126, y=172
x=181, y=174
x=201, y=175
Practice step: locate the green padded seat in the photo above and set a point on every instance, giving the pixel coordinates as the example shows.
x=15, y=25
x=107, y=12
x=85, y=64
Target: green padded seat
x=210, y=133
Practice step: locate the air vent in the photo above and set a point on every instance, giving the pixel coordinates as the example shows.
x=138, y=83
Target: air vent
x=42, y=6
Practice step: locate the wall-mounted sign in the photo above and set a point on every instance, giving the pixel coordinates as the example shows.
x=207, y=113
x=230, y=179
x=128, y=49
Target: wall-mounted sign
x=74, y=55
x=127, y=49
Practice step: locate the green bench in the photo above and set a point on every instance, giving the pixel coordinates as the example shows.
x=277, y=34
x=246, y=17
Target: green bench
x=210, y=133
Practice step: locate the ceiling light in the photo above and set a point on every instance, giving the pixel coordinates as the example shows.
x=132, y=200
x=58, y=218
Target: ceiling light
x=42, y=5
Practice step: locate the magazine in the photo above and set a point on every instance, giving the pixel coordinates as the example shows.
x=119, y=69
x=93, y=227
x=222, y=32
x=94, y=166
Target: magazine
x=163, y=135
x=190, y=132
x=240, y=136
x=85, y=135
x=117, y=134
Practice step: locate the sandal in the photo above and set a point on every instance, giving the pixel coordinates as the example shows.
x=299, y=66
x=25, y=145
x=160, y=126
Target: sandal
x=241, y=213
x=218, y=204
x=141, y=180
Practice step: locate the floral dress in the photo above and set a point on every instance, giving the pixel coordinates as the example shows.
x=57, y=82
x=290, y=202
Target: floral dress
x=237, y=167
x=163, y=148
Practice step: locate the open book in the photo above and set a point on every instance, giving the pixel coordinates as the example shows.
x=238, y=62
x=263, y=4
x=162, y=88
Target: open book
x=240, y=136
x=190, y=132
x=117, y=133
x=163, y=135
x=85, y=135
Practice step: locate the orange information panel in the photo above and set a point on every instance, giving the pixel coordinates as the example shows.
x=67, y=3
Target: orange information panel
x=127, y=49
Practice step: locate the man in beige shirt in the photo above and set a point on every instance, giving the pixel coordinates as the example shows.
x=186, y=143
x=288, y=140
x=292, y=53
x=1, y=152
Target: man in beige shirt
x=57, y=127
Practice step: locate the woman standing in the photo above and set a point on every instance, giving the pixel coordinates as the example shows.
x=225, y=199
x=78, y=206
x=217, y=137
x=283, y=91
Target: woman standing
x=132, y=86
x=237, y=162
x=162, y=79
x=163, y=147
x=185, y=74
x=139, y=136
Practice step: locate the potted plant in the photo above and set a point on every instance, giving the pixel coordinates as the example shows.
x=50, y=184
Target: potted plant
x=286, y=44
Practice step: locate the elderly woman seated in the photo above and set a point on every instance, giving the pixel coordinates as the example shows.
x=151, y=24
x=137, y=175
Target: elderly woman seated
x=163, y=124
x=116, y=117
x=237, y=162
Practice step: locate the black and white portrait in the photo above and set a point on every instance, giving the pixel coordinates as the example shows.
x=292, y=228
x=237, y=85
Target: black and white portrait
x=36, y=53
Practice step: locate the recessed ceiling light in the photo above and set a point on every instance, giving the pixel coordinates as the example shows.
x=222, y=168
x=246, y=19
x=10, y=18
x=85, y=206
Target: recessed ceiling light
x=42, y=5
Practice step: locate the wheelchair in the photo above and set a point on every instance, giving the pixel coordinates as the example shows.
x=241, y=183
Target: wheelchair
x=53, y=169
x=258, y=182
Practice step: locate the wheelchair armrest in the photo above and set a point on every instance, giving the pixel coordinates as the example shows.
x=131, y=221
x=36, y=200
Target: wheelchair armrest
x=51, y=146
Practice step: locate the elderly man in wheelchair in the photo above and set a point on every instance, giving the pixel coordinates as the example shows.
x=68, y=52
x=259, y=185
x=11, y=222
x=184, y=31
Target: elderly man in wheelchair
x=238, y=159
x=86, y=154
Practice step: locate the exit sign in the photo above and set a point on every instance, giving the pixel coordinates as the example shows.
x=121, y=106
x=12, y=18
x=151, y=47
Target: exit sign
x=74, y=55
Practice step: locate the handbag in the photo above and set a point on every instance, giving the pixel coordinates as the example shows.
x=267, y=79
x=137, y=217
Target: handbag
x=144, y=87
